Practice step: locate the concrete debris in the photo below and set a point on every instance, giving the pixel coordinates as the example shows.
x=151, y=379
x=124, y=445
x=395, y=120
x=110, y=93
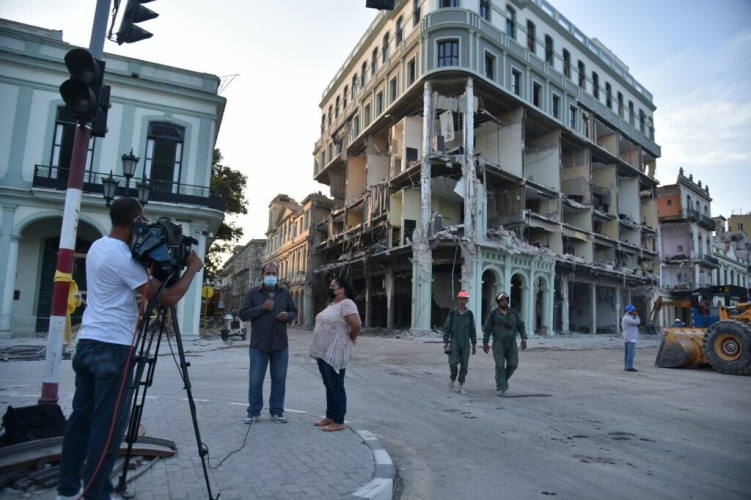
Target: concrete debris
x=575, y=204
x=513, y=244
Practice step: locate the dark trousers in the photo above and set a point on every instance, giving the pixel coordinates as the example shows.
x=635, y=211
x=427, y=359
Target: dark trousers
x=99, y=368
x=336, y=397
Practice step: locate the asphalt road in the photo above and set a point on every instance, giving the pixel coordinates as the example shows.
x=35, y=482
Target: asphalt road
x=576, y=425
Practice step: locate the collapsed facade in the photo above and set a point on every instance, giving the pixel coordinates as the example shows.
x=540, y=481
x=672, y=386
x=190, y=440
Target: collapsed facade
x=465, y=149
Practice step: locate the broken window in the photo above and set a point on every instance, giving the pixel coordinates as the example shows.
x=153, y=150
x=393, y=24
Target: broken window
x=511, y=22
x=642, y=119
x=585, y=124
x=572, y=117
x=537, y=94
x=549, y=50
x=567, y=63
x=489, y=65
x=354, y=87
x=631, y=112
x=531, y=36
x=448, y=52
x=411, y=71
x=556, y=106
x=595, y=85
x=608, y=95
x=582, y=75
x=516, y=81
x=485, y=9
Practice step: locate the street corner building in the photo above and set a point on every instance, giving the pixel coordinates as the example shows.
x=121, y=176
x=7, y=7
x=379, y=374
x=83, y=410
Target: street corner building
x=488, y=146
x=169, y=117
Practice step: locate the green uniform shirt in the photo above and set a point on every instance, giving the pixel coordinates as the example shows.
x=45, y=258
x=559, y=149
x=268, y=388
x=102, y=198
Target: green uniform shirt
x=503, y=327
x=459, y=329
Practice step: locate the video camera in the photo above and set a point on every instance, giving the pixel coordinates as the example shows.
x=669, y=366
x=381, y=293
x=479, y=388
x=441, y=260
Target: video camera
x=161, y=246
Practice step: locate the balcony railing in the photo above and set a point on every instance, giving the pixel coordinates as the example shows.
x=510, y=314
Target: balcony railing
x=692, y=214
x=706, y=222
x=164, y=191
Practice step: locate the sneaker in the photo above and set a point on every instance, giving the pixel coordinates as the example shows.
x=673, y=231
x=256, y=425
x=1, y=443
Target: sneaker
x=65, y=497
x=500, y=393
x=460, y=389
x=279, y=419
x=452, y=383
x=631, y=370
x=251, y=420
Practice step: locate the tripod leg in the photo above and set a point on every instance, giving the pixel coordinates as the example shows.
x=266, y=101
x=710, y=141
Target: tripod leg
x=202, y=449
x=144, y=361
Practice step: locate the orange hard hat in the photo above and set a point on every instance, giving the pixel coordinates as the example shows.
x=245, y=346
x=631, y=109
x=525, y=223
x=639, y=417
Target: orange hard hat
x=463, y=294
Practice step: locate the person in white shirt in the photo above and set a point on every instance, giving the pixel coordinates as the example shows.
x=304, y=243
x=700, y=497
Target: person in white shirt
x=114, y=281
x=630, y=326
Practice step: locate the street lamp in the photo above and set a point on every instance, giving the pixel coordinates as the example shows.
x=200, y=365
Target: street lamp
x=130, y=162
x=109, y=185
x=144, y=189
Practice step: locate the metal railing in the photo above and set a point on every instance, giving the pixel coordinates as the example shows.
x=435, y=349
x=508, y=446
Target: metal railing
x=46, y=176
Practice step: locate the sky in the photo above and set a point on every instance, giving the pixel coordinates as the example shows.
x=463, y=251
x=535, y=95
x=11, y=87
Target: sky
x=692, y=55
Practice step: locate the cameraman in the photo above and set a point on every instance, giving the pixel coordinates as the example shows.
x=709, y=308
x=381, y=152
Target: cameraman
x=100, y=405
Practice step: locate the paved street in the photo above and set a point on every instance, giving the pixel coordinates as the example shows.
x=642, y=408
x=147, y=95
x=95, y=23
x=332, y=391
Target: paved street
x=576, y=426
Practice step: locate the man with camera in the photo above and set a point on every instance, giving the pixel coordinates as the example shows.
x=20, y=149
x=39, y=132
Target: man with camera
x=270, y=308
x=114, y=280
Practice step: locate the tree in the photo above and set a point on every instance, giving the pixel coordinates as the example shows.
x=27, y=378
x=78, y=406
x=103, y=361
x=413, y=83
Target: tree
x=228, y=185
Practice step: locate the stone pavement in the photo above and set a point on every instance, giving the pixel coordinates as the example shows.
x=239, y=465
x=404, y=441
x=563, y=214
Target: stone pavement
x=274, y=461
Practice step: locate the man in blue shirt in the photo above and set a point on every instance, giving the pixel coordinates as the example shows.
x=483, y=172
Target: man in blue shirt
x=269, y=308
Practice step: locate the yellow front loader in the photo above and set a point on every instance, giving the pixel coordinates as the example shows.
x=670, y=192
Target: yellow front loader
x=725, y=345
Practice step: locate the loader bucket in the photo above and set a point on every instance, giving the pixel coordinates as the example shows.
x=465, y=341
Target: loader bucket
x=681, y=348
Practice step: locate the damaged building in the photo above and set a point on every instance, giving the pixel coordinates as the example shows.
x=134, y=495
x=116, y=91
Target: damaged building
x=488, y=146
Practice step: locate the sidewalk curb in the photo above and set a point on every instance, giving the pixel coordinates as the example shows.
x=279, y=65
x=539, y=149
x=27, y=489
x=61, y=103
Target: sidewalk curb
x=381, y=487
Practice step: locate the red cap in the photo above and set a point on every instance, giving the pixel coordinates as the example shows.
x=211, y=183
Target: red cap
x=463, y=294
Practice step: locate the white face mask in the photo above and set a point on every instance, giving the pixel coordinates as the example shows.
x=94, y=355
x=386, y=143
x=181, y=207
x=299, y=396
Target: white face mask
x=269, y=280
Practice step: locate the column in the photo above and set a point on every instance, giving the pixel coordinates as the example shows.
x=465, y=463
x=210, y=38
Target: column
x=422, y=254
x=388, y=284
x=528, y=298
x=565, y=328
x=368, y=308
x=9, y=282
x=547, y=304
x=594, y=308
x=618, y=309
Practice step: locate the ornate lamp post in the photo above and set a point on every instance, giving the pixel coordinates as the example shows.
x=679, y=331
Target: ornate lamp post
x=109, y=185
x=130, y=162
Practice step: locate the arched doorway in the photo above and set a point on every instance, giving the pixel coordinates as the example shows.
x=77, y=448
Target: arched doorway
x=40, y=243
x=517, y=293
x=489, y=287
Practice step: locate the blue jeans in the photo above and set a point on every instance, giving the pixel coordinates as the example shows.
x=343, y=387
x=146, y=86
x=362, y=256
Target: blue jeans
x=99, y=368
x=629, y=353
x=259, y=360
x=336, y=397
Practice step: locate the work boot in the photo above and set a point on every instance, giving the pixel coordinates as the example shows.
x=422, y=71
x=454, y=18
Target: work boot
x=452, y=383
x=461, y=390
x=631, y=370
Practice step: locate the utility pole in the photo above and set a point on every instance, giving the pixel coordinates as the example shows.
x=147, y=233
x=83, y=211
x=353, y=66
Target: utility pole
x=69, y=229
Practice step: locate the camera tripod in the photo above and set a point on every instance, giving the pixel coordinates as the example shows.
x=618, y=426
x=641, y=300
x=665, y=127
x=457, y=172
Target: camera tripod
x=146, y=352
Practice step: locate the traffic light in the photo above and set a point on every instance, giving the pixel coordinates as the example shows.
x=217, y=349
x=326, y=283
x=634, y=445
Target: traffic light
x=380, y=4
x=81, y=91
x=135, y=13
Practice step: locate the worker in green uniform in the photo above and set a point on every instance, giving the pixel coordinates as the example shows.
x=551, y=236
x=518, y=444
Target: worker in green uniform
x=458, y=332
x=502, y=324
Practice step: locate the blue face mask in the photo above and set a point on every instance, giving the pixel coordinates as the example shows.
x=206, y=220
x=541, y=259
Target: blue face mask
x=269, y=280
